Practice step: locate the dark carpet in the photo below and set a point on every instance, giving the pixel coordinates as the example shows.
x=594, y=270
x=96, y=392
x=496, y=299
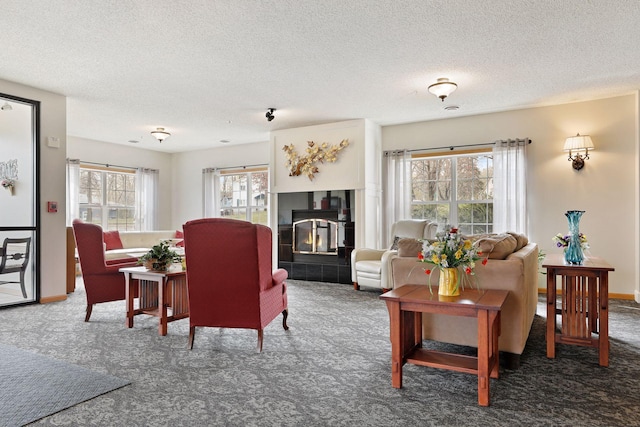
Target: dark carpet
x=331, y=368
x=34, y=386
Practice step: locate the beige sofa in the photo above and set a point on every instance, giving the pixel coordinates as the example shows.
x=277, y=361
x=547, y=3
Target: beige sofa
x=513, y=267
x=138, y=242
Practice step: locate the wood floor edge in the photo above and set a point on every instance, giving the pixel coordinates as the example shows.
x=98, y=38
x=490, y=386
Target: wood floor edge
x=55, y=298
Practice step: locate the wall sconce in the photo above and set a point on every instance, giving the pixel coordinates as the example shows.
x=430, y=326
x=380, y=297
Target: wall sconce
x=576, y=145
x=442, y=88
x=160, y=134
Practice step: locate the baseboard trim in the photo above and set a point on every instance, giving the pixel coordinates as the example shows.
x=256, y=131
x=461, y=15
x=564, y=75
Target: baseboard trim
x=56, y=298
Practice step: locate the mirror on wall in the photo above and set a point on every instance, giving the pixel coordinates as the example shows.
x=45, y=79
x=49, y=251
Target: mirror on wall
x=19, y=120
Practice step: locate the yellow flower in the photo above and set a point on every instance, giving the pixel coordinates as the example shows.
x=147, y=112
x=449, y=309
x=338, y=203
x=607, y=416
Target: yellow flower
x=443, y=257
x=459, y=254
x=467, y=245
x=435, y=258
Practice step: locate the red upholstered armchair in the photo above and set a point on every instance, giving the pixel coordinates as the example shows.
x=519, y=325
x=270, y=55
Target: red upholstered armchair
x=102, y=281
x=230, y=278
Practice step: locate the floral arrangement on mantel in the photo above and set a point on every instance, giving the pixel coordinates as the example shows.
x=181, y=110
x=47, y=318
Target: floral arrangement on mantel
x=450, y=250
x=299, y=165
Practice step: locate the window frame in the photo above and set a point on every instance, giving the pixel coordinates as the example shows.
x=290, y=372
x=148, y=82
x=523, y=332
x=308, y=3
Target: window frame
x=247, y=188
x=104, y=206
x=454, y=203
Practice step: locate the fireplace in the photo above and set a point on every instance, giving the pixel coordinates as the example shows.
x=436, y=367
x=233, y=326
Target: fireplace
x=315, y=236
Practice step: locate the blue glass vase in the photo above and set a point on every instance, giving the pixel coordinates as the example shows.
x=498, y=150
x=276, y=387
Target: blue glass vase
x=573, y=254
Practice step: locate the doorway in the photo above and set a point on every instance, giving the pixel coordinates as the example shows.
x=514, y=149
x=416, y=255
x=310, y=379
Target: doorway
x=19, y=218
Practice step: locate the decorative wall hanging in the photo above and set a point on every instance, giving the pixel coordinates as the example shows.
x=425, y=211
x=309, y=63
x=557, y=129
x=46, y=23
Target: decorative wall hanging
x=9, y=174
x=306, y=165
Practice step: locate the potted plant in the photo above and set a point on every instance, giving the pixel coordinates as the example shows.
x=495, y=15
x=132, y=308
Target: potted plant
x=160, y=257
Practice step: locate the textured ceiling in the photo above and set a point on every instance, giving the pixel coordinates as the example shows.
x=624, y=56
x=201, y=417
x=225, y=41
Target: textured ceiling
x=208, y=70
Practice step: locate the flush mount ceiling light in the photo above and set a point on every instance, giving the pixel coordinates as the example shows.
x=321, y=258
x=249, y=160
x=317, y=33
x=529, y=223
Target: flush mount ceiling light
x=270, y=115
x=6, y=107
x=160, y=134
x=443, y=88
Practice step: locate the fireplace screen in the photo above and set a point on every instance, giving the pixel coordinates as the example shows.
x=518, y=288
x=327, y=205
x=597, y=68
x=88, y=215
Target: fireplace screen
x=315, y=236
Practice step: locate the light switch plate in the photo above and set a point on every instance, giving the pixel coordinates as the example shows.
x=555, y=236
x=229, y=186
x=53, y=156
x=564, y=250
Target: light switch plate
x=53, y=142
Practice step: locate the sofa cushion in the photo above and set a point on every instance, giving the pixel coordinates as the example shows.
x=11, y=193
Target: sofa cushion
x=497, y=246
x=112, y=240
x=409, y=247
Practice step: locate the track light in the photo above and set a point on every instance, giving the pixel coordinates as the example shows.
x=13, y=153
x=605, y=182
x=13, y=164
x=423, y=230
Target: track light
x=270, y=115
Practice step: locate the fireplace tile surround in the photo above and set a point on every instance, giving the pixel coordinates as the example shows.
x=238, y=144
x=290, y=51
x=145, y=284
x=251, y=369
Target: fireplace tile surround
x=332, y=207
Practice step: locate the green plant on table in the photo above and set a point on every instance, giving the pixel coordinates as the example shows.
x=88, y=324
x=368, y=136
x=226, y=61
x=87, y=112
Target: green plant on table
x=160, y=257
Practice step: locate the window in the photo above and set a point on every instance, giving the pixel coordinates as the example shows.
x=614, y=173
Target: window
x=243, y=195
x=454, y=190
x=107, y=197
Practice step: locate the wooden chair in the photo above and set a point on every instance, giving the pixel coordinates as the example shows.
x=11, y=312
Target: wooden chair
x=229, y=276
x=14, y=257
x=103, y=281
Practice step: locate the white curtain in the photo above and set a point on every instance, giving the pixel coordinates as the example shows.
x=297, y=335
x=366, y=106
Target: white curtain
x=396, y=190
x=210, y=193
x=146, y=199
x=510, y=186
x=73, y=190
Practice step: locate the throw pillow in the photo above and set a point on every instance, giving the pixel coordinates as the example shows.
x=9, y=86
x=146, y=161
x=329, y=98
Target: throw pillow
x=180, y=235
x=112, y=240
x=520, y=238
x=497, y=247
x=408, y=247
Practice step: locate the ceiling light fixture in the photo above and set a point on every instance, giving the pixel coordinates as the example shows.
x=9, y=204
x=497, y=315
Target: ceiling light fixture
x=270, y=115
x=6, y=107
x=160, y=134
x=443, y=88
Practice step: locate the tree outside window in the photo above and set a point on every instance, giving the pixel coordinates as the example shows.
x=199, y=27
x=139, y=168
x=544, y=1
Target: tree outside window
x=244, y=196
x=107, y=198
x=454, y=191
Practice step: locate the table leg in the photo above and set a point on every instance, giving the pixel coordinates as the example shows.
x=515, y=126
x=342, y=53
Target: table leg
x=551, y=313
x=396, y=343
x=494, y=333
x=129, y=296
x=603, y=337
x=483, y=357
x=162, y=305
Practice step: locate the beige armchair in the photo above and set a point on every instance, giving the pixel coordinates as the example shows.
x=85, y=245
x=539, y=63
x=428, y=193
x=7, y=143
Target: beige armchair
x=370, y=267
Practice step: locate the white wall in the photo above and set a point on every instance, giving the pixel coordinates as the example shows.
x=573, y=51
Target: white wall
x=606, y=188
x=89, y=150
x=53, y=121
x=186, y=186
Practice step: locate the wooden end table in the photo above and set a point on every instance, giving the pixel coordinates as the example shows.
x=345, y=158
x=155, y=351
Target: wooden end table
x=406, y=305
x=584, y=304
x=158, y=291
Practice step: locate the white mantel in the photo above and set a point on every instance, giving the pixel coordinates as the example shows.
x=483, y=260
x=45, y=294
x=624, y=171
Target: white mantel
x=358, y=167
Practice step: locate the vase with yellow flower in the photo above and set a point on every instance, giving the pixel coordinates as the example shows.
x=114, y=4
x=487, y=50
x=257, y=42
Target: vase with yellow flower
x=455, y=257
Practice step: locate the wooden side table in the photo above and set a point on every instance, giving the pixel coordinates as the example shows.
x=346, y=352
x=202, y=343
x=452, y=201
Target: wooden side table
x=158, y=291
x=406, y=305
x=584, y=304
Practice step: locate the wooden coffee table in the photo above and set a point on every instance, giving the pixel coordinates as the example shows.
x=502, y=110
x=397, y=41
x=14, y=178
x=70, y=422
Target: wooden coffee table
x=158, y=291
x=406, y=305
